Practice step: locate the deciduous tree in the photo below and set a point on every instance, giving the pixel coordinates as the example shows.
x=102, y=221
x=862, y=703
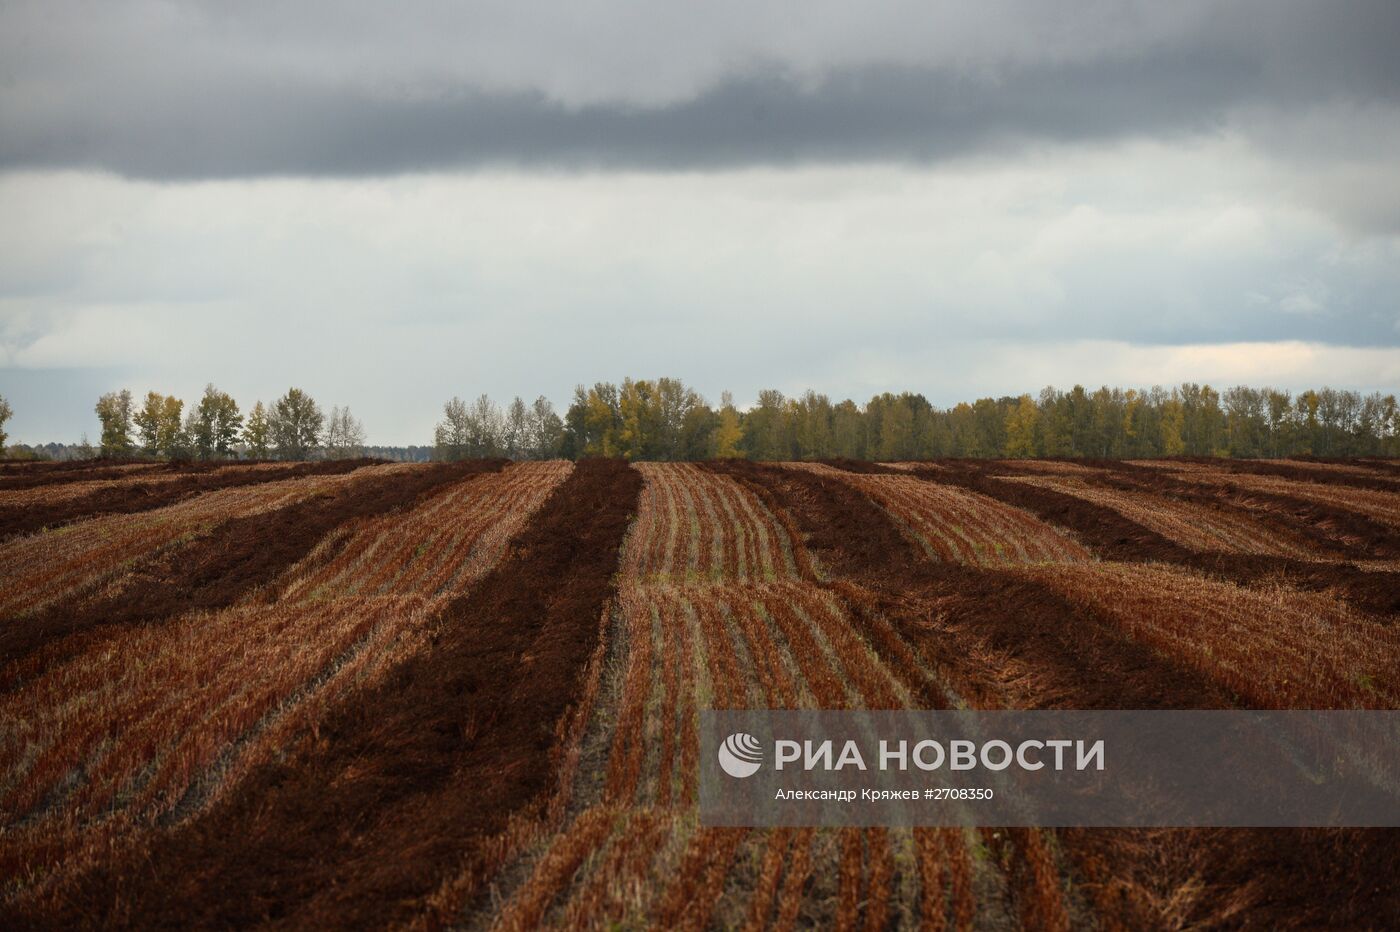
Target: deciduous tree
x=294, y=425
x=345, y=435
x=257, y=432
x=114, y=412
x=6, y=412
x=216, y=425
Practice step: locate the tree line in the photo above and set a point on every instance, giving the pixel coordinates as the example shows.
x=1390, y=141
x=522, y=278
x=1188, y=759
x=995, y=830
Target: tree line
x=663, y=419
x=292, y=428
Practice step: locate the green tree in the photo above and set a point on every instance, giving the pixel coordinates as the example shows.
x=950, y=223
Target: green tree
x=1246, y=421
x=1309, y=429
x=114, y=412
x=896, y=430
x=763, y=427
x=159, y=424
x=848, y=430
x=966, y=438
x=632, y=402
x=1055, y=427
x=216, y=424
x=1173, y=416
x=6, y=412
x=600, y=421
x=147, y=421
x=989, y=416
x=1202, y=421
x=294, y=425
x=257, y=433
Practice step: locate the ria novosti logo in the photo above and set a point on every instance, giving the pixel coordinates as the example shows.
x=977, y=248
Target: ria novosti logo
x=740, y=755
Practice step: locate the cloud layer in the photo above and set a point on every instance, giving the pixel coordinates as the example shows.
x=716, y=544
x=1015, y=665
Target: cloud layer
x=394, y=203
x=233, y=90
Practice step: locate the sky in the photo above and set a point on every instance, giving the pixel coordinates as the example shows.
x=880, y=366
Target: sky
x=391, y=204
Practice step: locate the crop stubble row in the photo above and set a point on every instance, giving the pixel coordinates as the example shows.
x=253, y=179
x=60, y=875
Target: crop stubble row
x=740, y=585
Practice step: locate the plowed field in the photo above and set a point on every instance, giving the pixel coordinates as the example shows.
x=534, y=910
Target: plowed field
x=466, y=696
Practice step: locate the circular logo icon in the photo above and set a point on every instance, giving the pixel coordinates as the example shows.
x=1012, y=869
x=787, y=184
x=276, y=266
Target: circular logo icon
x=740, y=755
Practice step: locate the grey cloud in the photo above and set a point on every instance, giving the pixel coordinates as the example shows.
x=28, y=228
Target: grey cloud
x=170, y=115
x=763, y=118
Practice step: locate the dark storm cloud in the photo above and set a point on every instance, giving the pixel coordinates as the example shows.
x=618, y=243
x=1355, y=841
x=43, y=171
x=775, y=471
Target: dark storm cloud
x=165, y=113
x=871, y=113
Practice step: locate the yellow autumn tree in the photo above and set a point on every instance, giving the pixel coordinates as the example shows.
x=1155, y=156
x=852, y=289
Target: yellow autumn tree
x=1173, y=421
x=1020, y=427
x=728, y=432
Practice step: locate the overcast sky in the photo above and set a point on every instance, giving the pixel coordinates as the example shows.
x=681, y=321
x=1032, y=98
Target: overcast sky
x=389, y=204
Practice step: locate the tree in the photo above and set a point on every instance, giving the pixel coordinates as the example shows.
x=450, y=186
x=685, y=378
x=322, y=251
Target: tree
x=896, y=430
x=1054, y=427
x=345, y=436
x=1202, y=421
x=487, y=427
x=593, y=421
x=632, y=402
x=848, y=430
x=1173, y=417
x=469, y=431
x=1020, y=428
x=515, y=435
x=216, y=424
x=147, y=422
x=182, y=447
x=450, y=435
x=160, y=427
x=6, y=412
x=763, y=428
x=294, y=425
x=114, y=411
x=257, y=433
x=544, y=430
x=728, y=433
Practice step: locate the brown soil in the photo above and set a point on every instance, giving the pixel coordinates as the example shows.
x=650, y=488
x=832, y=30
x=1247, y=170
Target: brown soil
x=108, y=469
x=1301, y=473
x=1299, y=878
x=36, y=479
x=217, y=568
x=129, y=497
x=1104, y=530
x=1083, y=662
x=1349, y=532
x=1114, y=537
x=360, y=822
x=1388, y=467
x=52, y=467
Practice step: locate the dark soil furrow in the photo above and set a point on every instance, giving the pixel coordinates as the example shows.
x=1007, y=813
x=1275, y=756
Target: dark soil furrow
x=1082, y=661
x=216, y=569
x=14, y=482
x=1347, y=531
x=106, y=470
x=1340, y=878
x=1115, y=537
x=1377, y=483
x=129, y=497
x=359, y=823
x=27, y=468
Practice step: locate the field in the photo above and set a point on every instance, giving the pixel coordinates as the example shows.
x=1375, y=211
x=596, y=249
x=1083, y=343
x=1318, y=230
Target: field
x=465, y=695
